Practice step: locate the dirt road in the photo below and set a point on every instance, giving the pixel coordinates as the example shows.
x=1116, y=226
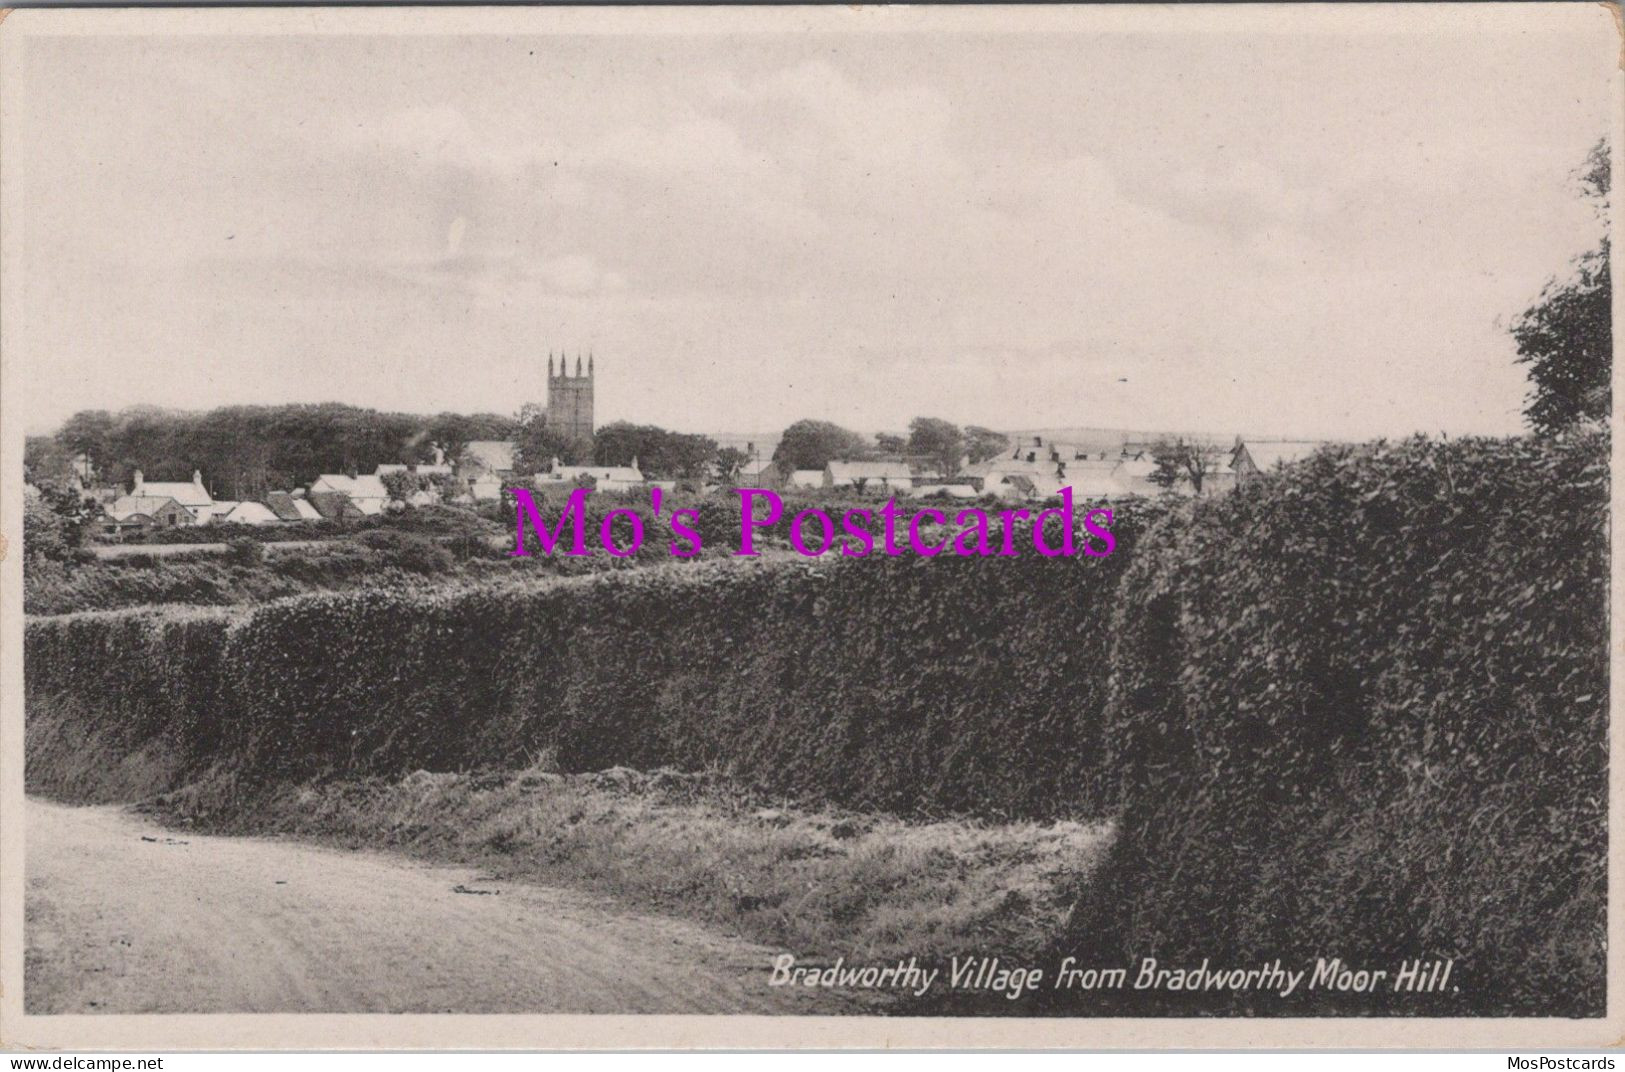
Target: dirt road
x=124, y=916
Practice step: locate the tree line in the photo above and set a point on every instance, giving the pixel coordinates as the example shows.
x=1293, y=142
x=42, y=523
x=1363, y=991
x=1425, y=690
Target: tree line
x=246, y=451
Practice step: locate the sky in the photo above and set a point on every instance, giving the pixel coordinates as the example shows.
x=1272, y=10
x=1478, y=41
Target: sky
x=1300, y=234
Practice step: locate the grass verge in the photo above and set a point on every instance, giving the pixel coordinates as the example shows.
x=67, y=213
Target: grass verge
x=820, y=884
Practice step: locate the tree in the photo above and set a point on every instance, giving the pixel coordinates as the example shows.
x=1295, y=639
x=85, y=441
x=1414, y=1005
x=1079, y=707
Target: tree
x=46, y=459
x=888, y=443
x=660, y=453
x=44, y=532
x=452, y=432
x=809, y=444
x=1566, y=338
x=536, y=444
x=1178, y=460
x=89, y=432
x=984, y=443
x=730, y=461
x=938, y=440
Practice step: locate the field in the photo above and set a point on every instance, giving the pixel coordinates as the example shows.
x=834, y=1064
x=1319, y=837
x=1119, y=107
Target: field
x=1357, y=708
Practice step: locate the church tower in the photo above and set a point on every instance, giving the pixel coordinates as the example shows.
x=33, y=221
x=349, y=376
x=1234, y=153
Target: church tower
x=569, y=398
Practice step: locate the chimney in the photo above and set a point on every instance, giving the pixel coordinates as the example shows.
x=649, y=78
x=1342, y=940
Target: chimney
x=197, y=477
x=135, y=483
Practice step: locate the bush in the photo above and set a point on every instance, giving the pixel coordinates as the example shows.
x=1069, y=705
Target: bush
x=45, y=532
x=244, y=551
x=906, y=684
x=1360, y=710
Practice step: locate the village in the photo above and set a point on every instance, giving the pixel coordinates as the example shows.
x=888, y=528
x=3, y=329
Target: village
x=1026, y=467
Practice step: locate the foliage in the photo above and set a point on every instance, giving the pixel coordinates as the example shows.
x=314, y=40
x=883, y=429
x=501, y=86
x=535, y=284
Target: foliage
x=245, y=551
x=1566, y=338
x=1179, y=461
x=890, y=443
x=809, y=444
x=730, y=461
x=982, y=444
x=44, y=531
x=403, y=485
x=1369, y=696
x=938, y=440
x=246, y=451
x=536, y=443
x=661, y=455
x=452, y=432
x=920, y=713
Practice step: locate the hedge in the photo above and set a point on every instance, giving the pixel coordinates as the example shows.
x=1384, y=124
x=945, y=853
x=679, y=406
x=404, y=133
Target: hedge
x=907, y=684
x=1360, y=710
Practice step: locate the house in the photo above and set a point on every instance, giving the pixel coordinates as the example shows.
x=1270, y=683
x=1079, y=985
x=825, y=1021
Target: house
x=489, y=457
x=154, y=511
x=289, y=507
x=1134, y=472
x=1016, y=486
x=603, y=477
x=487, y=489
x=807, y=478
x=1253, y=457
x=193, y=496
x=367, y=492
x=250, y=513
x=334, y=506
x=873, y=477
x=1093, y=478
x=120, y=527
x=421, y=470
x=759, y=472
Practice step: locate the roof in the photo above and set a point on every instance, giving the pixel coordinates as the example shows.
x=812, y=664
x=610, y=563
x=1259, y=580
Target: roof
x=420, y=470
x=187, y=494
x=1023, y=484
x=851, y=472
x=149, y=505
x=497, y=455
x=598, y=472
x=285, y=506
x=307, y=512
x=368, y=486
x=251, y=513
x=757, y=468
x=1268, y=453
x=333, y=504
x=1091, y=478
x=807, y=478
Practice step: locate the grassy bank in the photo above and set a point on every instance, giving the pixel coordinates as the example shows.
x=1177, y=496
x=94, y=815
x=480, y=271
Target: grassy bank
x=820, y=884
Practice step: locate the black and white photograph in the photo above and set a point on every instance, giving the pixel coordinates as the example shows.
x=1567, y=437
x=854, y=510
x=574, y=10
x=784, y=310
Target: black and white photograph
x=807, y=527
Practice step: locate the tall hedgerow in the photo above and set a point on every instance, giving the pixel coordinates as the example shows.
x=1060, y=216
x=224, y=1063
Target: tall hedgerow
x=921, y=686
x=1359, y=710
